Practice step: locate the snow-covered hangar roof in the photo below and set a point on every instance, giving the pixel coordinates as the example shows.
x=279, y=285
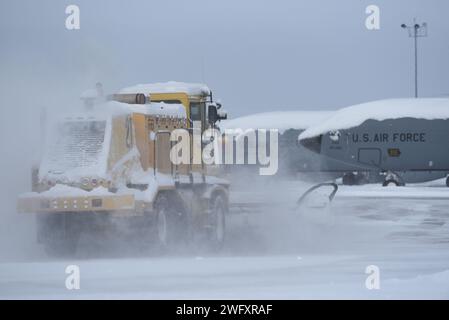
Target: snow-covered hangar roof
x=421, y=108
x=281, y=120
x=168, y=87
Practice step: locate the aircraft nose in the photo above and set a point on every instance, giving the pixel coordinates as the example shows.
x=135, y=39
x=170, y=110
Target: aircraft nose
x=313, y=144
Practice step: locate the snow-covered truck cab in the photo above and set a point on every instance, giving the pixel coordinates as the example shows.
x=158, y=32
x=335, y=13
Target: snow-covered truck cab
x=113, y=163
x=197, y=99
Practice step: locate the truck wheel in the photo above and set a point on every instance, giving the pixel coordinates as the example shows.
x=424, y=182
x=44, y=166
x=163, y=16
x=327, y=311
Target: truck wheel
x=217, y=223
x=171, y=225
x=447, y=181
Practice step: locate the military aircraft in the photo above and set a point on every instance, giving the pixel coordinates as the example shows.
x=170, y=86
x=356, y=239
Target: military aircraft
x=407, y=140
x=293, y=159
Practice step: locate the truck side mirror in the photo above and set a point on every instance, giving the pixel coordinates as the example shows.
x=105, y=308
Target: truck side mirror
x=222, y=115
x=212, y=114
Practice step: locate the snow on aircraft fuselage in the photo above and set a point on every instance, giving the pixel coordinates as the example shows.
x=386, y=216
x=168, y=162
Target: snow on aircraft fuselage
x=293, y=158
x=402, y=136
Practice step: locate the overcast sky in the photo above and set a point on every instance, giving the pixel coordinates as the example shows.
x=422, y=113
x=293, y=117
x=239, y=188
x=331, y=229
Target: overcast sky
x=255, y=55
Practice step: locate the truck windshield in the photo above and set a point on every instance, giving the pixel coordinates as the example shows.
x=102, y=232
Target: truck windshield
x=74, y=144
x=195, y=111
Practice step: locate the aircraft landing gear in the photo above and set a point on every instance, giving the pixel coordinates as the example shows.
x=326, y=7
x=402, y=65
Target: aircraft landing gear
x=354, y=179
x=390, y=182
x=392, y=179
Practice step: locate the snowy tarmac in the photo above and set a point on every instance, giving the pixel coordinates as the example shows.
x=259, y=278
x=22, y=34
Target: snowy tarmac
x=276, y=254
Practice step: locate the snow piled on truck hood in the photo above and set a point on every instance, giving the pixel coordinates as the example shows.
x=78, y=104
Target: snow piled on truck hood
x=168, y=87
x=281, y=120
x=160, y=109
x=422, y=108
x=114, y=108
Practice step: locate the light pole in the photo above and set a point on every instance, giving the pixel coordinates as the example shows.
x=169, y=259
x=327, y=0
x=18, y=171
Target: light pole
x=416, y=31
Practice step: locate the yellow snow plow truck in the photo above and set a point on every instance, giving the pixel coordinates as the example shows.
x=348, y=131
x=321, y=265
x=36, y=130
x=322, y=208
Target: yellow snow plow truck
x=110, y=168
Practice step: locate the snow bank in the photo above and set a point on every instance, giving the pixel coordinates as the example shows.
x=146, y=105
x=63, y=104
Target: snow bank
x=168, y=87
x=426, y=108
x=281, y=120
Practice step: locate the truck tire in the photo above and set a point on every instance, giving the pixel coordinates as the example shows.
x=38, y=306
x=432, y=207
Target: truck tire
x=217, y=223
x=447, y=181
x=171, y=222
